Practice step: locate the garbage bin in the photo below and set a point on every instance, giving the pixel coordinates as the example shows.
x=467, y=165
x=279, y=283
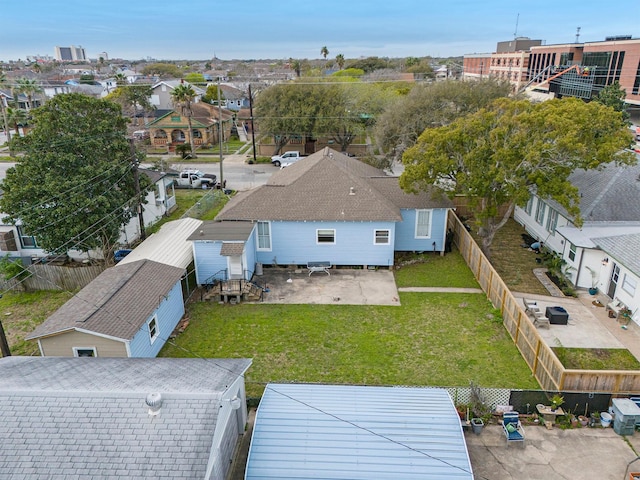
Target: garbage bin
x=259, y=269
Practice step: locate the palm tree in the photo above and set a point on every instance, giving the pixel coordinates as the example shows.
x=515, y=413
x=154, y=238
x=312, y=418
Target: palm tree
x=16, y=117
x=183, y=96
x=120, y=79
x=5, y=122
x=29, y=87
x=297, y=67
x=324, y=51
x=340, y=60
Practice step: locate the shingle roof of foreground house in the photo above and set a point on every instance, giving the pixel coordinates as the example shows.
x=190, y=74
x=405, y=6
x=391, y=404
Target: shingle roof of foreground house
x=87, y=417
x=623, y=248
x=329, y=186
x=116, y=303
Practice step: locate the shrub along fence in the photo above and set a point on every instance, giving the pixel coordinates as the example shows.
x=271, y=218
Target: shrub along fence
x=544, y=364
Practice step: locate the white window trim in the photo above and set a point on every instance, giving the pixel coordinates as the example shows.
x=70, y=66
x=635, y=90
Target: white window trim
x=258, y=247
x=540, y=209
x=430, y=222
x=318, y=230
x=153, y=338
x=629, y=284
x=375, y=237
x=76, y=349
x=552, y=220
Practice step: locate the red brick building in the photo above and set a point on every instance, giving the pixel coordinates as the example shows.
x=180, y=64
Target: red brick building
x=615, y=59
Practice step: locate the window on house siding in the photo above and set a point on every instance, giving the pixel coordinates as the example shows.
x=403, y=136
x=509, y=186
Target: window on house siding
x=572, y=252
x=153, y=329
x=629, y=284
x=264, y=236
x=382, y=237
x=326, y=236
x=26, y=241
x=529, y=206
x=423, y=223
x=552, y=221
x=540, y=211
x=84, y=352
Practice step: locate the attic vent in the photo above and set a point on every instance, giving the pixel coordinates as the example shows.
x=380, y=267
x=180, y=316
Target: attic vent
x=154, y=402
x=352, y=191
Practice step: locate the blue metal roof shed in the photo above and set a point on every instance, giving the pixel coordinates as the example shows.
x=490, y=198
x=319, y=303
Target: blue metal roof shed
x=333, y=432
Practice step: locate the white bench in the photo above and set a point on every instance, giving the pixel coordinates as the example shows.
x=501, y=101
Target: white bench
x=318, y=267
x=615, y=305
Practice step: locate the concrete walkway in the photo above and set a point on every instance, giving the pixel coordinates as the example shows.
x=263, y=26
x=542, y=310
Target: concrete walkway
x=440, y=289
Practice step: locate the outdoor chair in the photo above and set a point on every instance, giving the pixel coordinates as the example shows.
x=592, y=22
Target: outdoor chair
x=513, y=430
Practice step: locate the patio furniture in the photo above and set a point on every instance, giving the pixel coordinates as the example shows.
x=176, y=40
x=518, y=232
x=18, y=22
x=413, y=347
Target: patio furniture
x=557, y=315
x=548, y=414
x=615, y=305
x=318, y=267
x=513, y=430
x=539, y=319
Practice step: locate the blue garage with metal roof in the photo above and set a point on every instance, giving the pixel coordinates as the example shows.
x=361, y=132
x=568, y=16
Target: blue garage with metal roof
x=333, y=432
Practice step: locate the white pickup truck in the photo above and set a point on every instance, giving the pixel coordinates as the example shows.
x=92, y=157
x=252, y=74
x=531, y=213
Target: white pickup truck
x=191, y=178
x=287, y=158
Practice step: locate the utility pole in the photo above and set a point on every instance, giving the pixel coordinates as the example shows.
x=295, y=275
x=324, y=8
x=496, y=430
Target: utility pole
x=253, y=136
x=220, y=136
x=136, y=180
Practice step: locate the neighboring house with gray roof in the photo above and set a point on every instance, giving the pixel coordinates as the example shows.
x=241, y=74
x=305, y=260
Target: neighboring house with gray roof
x=90, y=418
x=328, y=207
x=129, y=310
x=605, y=244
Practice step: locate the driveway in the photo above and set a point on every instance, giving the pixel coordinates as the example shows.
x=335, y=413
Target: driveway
x=341, y=287
x=583, y=453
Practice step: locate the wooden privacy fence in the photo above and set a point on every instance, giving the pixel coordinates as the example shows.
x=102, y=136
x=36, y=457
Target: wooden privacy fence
x=544, y=364
x=56, y=277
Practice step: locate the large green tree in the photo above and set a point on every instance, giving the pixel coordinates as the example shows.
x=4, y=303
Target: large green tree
x=339, y=111
x=163, y=70
x=73, y=188
x=614, y=96
x=133, y=98
x=431, y=105
x=499, y=155
x=183, y=97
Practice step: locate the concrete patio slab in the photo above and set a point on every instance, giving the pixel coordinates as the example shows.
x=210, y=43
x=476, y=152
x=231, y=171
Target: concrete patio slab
x=584, y=453
x=341, y=287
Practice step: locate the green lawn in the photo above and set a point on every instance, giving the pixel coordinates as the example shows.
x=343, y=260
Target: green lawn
x=432, y=339
x=433, y=270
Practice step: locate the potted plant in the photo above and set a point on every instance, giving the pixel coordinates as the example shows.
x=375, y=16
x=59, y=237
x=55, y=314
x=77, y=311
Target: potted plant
x=625, y=312
x=556, y=402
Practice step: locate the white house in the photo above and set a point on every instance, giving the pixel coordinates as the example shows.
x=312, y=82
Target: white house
x=603, y=252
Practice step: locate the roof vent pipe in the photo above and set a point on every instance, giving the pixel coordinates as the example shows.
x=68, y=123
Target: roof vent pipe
x=352, y=191
x=154, y=402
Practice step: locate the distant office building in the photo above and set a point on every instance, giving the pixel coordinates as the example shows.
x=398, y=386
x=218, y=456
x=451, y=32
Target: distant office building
x=103, y=55
x=509, y=62
x=583, y=69
x=72, y=53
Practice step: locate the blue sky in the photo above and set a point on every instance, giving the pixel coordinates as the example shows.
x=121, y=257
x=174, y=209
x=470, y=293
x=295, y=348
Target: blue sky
x=279, y=29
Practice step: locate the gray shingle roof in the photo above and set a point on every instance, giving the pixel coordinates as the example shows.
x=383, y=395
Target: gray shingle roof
x=116, y=303
x=86, y=418
x=611, y=194
x=624, y=248
x=326, y=186
x=232, y=249
x=223, y=231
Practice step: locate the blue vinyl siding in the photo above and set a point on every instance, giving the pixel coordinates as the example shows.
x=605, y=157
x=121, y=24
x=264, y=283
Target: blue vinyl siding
x=294, y=243
x=250, y=253
x=405, y=238
x=168, y=314
x=208, y=260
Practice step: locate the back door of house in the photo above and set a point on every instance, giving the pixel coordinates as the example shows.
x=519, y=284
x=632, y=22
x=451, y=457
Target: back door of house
x=613, y=281
x=235, y=267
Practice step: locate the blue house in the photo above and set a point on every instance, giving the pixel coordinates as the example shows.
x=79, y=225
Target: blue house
x=328, y=207
x=127, y=311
